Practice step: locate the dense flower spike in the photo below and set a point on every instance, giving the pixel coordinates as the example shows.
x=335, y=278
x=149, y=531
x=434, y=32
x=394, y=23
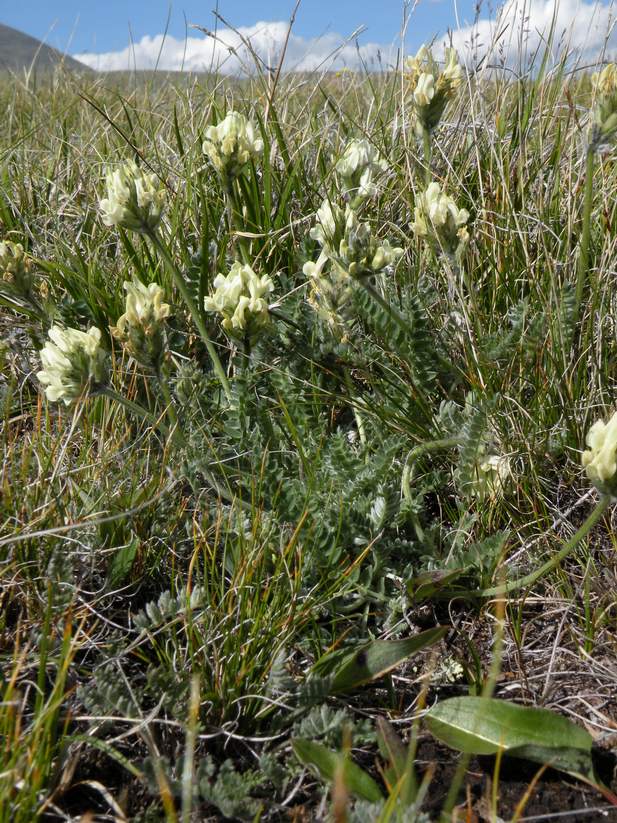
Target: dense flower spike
x=231, y=144
x=431, y=86
x=73, y=364
x=134, y=199
x=359, y=165
x=16, y=267
x=241, y=298
x=600, y=461
x=604, y=85
x=437, y=218
x=140, y=329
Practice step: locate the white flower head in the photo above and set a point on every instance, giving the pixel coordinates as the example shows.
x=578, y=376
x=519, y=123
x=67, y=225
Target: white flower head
x=135, y=198
x=144, y=306
x=241, y=298
x=359, y=165
x=231, y=144
x=600, y=460
x=437, y=218
x=73, y=364
x=140, y=329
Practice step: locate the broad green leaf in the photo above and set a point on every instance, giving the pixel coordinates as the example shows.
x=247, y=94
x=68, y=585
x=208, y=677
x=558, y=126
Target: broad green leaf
x=326, y=762
x=484, y=725
x=379, y=657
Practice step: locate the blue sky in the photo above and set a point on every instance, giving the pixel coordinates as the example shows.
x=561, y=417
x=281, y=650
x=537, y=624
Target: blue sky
x=103, y=25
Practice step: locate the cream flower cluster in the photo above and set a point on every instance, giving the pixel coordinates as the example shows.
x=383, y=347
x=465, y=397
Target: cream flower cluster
x=135, y=198
x=604, y=85
x=241, y=298
x=330, y=225
x=73, y=364
x=140, y=329
x=438, y=218
x=16, y=267
x=349, y=243
x=600, y=460
x=431, y=86
x=358, y=167
x=231, y=144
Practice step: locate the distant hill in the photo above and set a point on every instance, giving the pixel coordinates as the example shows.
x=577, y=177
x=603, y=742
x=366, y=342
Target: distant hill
x=18, y=51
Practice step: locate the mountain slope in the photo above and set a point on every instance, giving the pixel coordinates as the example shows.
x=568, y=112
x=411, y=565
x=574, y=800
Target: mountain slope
x=19, y=51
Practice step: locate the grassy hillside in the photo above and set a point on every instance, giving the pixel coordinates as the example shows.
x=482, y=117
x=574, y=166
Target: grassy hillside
x=256, y=524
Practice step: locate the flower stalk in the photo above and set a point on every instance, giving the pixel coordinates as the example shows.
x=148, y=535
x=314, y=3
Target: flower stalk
x=531, y=578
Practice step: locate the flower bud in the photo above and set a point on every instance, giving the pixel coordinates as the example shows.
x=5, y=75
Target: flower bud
x=74, y=364
x=600, y=460
x=140, y=329
x=134, y=199
x=240, y=297
x=359, y=165
x=361, y=254
x=231, y=144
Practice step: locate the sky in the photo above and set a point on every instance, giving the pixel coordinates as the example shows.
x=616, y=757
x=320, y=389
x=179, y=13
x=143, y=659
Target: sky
x=121, y=34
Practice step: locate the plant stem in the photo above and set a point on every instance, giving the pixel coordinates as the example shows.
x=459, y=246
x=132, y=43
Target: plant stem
x=418, y=451
x=162, y=377
x=354, y=406
x=194, y=310
x=426, y=142
x=233, y=224
x=529, y=579
x=583, y=257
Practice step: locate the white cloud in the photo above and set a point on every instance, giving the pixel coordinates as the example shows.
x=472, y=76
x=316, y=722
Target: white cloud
x=230, y=55
x=584, y=28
